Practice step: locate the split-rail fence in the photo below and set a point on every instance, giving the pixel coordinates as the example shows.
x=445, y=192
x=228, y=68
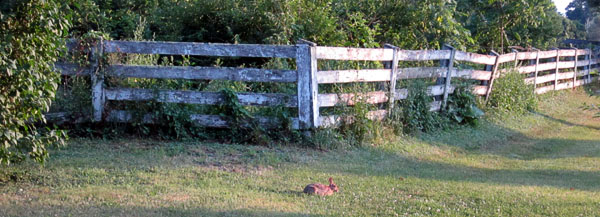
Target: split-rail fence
x=547, y=70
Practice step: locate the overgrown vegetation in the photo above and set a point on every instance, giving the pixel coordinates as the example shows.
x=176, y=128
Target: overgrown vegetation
x=415, y=110
x=31, y=40
x=462, y=106
x=511, y=93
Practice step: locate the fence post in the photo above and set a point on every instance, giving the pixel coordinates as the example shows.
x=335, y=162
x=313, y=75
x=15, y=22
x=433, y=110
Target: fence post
x=556, y=69
x=493, y=76
x=516, y=57
x=589, y=71
x=448, y=75
x=537, y=63
x=393, y=77
x=308, y=104
x=575, y=70
x=97, y=79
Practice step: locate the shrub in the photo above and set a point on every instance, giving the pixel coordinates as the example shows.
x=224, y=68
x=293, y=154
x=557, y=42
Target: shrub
x=462, y=106
x=415, y=110
x=510, y=93
x=30, y=43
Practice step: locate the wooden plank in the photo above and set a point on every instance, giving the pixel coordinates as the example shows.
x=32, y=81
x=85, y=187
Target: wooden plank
x=583, y=63
x=546, y=66
x=64, y=117
x=581, y=52
x=548, y=54
x=194, y=97
x=335, y=120
x=566, y=52
x=347, y=53
x=348, y=76
x=475, y=58
x=216, y=121
x=203, y=73
x=422, y=72
x=435, y=106
x=97, y=80
x=541, y=67
x=122, y=116
x=564, y=85
x=582, y=72
x=200, y=49
x=71, y=69
x=526, y=55
x=435, y=90
x=423, y=55
x=551, y=77
x=307, y=86
x=472, y=74
x=480, y=90
x=213, y=121
x=566, y=64
x=333, y=99
x=506, y=58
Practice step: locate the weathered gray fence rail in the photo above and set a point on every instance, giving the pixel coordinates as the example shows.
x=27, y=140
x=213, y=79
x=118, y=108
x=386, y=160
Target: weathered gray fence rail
x=548, y=70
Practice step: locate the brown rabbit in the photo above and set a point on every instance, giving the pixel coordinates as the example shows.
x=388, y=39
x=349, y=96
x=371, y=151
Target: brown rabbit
x=321, y=189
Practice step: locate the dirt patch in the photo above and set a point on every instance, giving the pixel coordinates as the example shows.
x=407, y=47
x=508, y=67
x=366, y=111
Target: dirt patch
x=176, y=197
x=239, y=168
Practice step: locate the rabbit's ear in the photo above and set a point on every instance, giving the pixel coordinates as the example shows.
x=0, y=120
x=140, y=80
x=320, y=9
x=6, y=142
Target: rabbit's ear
x=330, y=180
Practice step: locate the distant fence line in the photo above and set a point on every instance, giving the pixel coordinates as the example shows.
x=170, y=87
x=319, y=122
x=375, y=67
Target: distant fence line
x=547, y=70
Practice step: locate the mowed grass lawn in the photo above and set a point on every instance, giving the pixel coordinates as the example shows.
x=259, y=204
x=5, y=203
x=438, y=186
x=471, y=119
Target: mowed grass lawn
x=541, y=164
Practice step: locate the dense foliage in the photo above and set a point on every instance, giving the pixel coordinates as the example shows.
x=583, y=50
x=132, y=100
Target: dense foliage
x=30, y=42
x=409, y=24
x=512, y=94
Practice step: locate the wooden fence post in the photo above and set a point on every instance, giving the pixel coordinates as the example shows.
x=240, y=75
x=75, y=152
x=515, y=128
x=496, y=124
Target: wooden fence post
x=587, y=75
x=448, y=75
x=97, y=79
x=493, y=76
x=516, y=55
x=308, y=104
x=537, y=63
x=488, y=68
x=556, y=69
x=393, y=77
x=575, y=70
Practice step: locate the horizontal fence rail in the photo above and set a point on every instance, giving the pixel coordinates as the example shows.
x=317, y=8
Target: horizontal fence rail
x=547, y=70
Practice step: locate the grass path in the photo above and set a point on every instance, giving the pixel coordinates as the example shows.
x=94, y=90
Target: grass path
x=541, y=164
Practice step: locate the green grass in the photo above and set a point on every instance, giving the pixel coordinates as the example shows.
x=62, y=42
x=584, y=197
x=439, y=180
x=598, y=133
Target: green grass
x=542, y=164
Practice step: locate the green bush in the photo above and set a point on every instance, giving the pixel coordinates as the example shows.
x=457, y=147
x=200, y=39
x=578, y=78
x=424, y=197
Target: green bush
x=415, y=110
x=31, y=34
x=462, y=106
x=510, y=93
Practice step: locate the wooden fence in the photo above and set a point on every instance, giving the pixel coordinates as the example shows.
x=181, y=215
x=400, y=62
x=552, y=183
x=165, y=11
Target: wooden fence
x=548, y=70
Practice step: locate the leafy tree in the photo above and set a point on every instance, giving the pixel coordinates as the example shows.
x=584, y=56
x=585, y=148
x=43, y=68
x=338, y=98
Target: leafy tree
x=31, y=35
x=578, y=10
x=497, y=24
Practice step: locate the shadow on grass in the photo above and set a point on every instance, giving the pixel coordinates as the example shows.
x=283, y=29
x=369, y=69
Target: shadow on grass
x=398, y=166
x=91, y=210
x=566, y=122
